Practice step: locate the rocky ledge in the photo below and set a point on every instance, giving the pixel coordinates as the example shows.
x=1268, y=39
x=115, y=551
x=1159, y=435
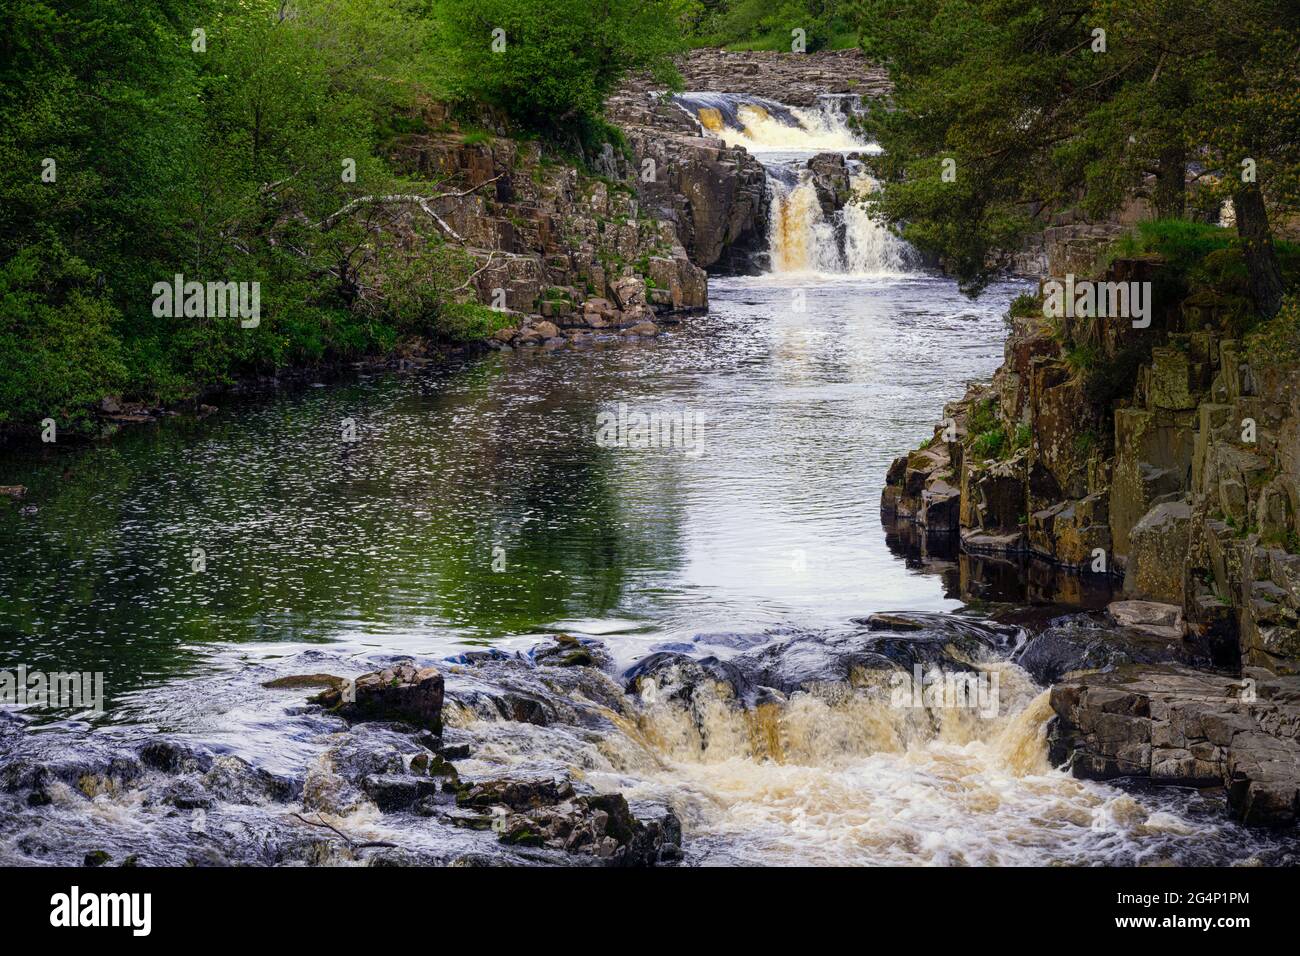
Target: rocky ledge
x=1174, y=725
x=796, y=79
x=1159, y=456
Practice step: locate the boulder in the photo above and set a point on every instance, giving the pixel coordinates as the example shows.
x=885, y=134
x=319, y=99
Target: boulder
x=1081, y=646
x=1150, y=617
x=403, y=692
x=1158, y=547
x=1173, y=725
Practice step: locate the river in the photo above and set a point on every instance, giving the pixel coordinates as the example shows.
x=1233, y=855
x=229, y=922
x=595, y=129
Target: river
x=477, y=507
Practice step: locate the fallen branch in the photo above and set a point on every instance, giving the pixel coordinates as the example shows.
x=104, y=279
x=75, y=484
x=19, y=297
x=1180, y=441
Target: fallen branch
x=408, y=198
x=350, y=842
x=492, y=253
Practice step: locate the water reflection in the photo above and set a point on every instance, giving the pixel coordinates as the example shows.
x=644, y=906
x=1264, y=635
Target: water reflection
x=476, y=503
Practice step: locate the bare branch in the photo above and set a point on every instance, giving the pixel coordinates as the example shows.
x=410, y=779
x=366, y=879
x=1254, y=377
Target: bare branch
x=408, y=198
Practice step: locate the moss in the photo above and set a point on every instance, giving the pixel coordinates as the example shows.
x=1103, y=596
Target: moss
x=522, y=837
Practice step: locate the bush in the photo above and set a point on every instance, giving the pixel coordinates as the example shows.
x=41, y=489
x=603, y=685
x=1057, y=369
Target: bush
x=1276, y=343
x=1026, y=304
x=559, y=60
x=989, y=444
x=58, y=355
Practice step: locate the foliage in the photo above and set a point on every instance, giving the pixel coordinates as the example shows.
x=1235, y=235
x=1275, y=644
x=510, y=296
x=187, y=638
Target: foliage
x=248, y=157
x=1035, y=117
x=1276, y=343
x=765, y=25
x=989, y=444
x=550, y=64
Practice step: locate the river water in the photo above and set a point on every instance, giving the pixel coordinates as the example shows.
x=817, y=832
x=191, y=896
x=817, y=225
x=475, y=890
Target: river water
x=477, y=505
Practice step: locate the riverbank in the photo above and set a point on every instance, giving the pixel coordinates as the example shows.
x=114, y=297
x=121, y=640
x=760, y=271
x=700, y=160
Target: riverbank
x=1163, y=456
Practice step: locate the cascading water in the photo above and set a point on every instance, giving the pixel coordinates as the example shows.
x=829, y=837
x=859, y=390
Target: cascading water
x=802, y=236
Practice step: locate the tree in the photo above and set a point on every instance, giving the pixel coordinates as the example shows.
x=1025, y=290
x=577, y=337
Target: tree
x=1032, y=108
x=550, y=64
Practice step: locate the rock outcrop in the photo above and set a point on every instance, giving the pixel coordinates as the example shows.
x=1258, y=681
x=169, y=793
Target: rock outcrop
x=796, y=79
x=1157, y=455
x=714, y=195
x=553, y=243
x=1173, y=725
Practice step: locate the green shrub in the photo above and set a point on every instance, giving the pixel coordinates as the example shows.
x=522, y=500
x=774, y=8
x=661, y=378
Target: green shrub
x=1026, y=304
x=559, y=61
x=469, y=322
x=58, y=353
x=989, y=444
x=983, y=417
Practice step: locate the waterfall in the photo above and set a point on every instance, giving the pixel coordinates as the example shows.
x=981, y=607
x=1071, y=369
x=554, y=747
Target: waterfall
x=851, y=242
x=802, y=237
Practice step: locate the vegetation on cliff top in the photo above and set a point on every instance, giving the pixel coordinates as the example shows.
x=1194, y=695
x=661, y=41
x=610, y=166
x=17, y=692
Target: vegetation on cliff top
x=768, y=25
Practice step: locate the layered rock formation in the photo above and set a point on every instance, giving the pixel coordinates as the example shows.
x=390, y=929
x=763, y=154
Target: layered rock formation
x=1155, y=453
x=796, y=79
x=715, y=196
x=566, y=253
x=1174, y=725
x=1163, y=458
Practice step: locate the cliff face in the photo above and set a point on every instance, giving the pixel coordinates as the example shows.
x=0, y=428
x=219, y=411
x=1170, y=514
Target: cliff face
x=795, y=79
x=1157, y=455
x=715, y=196
x=565, y=252
x=625, y=243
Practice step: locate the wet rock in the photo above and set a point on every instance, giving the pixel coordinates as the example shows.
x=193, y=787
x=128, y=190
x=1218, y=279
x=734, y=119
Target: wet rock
x=645, y=329
x=1178, y=726
x=601, y=826
x=830, y=178
x=569, y=651
x=174, y=756
x=516, y=794
x=97, y=858
x=1062, y=650
x=298, y=681
x=811, y=660
x=677, y=678
x=1150, y=617
x=402, y=692
x=187, y=794
x=392, y=793
x=496, y=687
x=233, y=780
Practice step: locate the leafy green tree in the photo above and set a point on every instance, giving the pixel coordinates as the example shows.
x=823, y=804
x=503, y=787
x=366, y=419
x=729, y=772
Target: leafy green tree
x=1009, y=111
x=550, y=64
